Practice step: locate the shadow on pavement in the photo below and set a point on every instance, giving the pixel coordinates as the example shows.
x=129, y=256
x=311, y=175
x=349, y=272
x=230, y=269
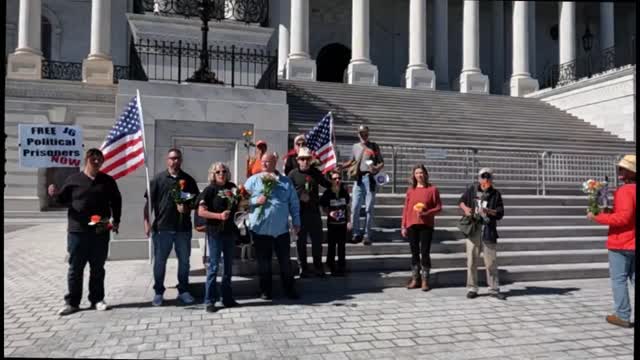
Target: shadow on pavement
x=537, y=290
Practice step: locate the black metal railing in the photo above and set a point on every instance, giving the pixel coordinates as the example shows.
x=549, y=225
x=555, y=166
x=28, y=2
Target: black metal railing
x=588, y=65
x=248, y=11
x=61, y=70
x=269, y=79
x=177, y=61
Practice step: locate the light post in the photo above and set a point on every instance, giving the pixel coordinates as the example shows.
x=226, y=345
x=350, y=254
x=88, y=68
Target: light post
x=204, y=74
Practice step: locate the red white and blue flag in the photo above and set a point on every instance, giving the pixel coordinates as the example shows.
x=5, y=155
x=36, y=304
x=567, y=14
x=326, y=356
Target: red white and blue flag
x=319, y=141
x=123, y=149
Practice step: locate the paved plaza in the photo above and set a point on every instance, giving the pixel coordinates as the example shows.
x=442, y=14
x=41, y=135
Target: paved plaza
x=542, y=320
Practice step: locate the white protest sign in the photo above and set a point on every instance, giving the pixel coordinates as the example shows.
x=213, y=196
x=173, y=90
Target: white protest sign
x=46, y=145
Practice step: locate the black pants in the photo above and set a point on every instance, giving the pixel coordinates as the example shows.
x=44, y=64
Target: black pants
x=86, y=247
x=311, y=226
x=265, y=245
x=336, y=235
x=420, y=240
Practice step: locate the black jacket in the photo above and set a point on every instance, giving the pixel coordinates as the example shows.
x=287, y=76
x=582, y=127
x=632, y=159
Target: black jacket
x=494, y=202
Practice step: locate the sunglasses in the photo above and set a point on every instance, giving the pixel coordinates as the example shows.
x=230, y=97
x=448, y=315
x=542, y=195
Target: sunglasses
x=304, y=159
x=175, y=158
x=335, y=179
x=300, y=143
x=485, y=176
x=220, y=172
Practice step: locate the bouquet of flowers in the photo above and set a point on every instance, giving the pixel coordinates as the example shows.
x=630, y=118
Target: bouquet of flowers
x=101, y=225
x=180, y=197
x=269, y=182
x=232, y=196
x=592, y=188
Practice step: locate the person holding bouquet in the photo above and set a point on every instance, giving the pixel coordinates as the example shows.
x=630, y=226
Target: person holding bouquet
x=173, y=193
x=621, y=241
x=421, y=204
x=92, y=198
x=273, y=199
x=306, y=179
x=218, y=204
x=335, y=203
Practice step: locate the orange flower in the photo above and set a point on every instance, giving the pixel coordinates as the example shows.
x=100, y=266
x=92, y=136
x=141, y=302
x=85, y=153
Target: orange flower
x=183, y=184
x=418, y=207
x=243, y=191
x=95, y=219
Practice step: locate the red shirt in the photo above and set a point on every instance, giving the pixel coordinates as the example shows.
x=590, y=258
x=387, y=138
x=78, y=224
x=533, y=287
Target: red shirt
x=622, y=220
x=430, y=197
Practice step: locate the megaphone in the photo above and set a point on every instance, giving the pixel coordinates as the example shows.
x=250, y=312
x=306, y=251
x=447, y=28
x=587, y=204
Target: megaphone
x=382, y=178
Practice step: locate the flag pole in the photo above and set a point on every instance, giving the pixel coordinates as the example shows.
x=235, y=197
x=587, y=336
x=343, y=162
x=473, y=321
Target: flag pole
x=146, y=171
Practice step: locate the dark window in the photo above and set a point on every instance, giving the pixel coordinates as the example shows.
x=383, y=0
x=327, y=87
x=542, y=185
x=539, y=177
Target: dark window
x=45, y=35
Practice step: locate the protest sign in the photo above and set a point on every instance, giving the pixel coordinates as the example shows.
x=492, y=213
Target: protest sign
x=46, y=145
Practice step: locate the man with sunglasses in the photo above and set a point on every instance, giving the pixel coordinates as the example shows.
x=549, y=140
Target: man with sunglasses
x=171, y=226
x=291, y=158
x=484, y=204
x=306, y=180
x=367, y=157
x=335, y=203
x=88, y=193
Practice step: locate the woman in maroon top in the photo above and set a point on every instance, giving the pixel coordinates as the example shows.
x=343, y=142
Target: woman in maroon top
x=420, y=207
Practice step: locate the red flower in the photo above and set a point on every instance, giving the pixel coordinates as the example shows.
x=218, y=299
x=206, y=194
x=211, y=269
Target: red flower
x=95, y=218
x=109, y=226
x=228, y=193
x=243, y=191
x=308, y=178
x=183, y=184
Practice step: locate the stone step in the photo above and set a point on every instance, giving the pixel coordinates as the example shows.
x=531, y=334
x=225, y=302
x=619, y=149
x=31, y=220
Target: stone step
x=57, y=214
x=458, y=246
x=372, y=280
x=26, y=202
x=515, y=200
x=534, y=210
x=394, y=221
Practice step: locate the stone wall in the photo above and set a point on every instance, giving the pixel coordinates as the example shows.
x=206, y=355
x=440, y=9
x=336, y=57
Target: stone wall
x=206, y=122
x=606, y=100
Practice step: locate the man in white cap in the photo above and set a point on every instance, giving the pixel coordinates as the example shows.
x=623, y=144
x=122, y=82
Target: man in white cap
x=306, y=179
x=291, y=158
x=484, y=204
x=621, y=241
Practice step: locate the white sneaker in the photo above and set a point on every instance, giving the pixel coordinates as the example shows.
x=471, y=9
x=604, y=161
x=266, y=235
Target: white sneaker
x=157, y=300
x=186, y=298
x=102, y=306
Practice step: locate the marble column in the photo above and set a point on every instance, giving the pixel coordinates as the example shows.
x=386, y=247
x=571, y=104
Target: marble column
x=418, y=75
x=97, y=68
x=360, y=70
x=471, y=78
x=283, y=36
x=532, y=39
x=441, y=43
x=567, y=42
x=299, y=65
x=497, y=48
x=26, y=61
x=521, y=81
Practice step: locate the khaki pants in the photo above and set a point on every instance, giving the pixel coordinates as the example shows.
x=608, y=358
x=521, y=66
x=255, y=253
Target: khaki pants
x=488, y=250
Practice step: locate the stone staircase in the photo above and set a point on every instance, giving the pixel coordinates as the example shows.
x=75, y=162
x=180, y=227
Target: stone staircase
x=91, y=107
x=541, y=237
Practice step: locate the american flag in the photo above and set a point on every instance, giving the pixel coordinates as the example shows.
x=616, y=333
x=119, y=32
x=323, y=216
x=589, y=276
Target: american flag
x=123, y=148
x=319, y=142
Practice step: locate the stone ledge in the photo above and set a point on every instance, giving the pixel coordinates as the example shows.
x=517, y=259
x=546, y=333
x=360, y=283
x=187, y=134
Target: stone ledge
x=59, y=90
x=585, y=81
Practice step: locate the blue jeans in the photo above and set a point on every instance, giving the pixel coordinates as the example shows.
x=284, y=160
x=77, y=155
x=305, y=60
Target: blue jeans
x=219, y=244
x=362, y=194
x=621, y=270
x=163, y=241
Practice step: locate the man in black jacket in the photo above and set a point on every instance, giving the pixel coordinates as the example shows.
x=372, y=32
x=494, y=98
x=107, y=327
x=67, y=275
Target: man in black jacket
x=484, y=203
x=171, y=226
x=92, y=198
x=306, y=180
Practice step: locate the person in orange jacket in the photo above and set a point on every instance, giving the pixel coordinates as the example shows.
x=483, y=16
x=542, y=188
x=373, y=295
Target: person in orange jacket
x=254, y=165
x=621, y=241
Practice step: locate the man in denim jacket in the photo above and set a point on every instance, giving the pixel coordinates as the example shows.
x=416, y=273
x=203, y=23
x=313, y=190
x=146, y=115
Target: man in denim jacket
x=270, y=230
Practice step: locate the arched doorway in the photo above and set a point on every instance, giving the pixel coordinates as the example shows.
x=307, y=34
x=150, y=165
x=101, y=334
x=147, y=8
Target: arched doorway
x=332, y=62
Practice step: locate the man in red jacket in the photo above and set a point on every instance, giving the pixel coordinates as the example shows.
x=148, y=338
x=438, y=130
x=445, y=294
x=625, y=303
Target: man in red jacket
x=621, y=241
